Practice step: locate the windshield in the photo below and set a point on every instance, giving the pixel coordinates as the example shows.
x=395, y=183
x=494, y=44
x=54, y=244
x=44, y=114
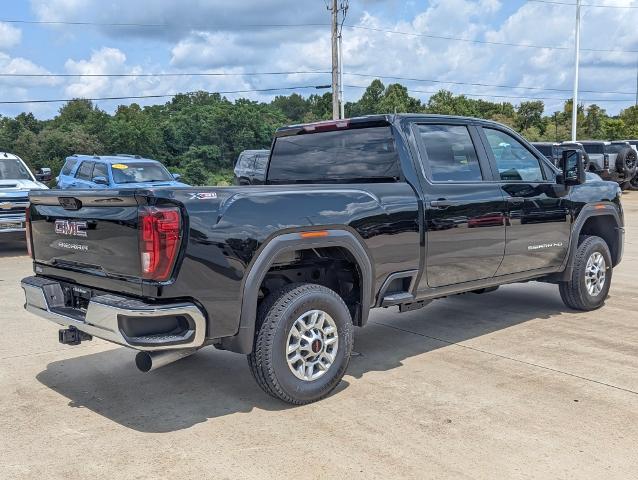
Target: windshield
x=594, y=148
x=545, y=150
x=140, y=172
x=615, y=147
x=13, y=169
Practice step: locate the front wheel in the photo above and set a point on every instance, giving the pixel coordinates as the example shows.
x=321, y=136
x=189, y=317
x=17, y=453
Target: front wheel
x=304, y=343
x=591, y=277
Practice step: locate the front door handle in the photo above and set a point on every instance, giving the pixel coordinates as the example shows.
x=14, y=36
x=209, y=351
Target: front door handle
x=516, y=200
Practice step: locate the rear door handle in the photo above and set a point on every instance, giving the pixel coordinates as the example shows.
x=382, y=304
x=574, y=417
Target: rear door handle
x=443, y=203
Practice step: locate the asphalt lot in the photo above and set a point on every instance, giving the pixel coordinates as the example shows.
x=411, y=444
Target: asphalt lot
x=505, y=385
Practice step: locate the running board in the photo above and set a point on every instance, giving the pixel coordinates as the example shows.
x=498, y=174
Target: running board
x=397, y=299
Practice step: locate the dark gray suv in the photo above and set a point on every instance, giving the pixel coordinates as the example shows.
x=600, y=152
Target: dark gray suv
x=250, y=168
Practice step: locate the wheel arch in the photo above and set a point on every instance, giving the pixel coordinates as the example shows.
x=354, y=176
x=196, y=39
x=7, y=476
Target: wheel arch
x=242, y=342
x=602, y=220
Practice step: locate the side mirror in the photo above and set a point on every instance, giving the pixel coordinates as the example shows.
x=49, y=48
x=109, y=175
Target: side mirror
x=176, y=176
x=43, y=175
x=100, y=181
x=573, y=168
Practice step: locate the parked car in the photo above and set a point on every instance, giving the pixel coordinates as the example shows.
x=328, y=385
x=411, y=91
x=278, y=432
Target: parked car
x=16, y=180
x=614, y=161
x=250, y=168
x=574, y=146
x=116, y=171
x=553, y=151
x=634, y=181
x=283, y=272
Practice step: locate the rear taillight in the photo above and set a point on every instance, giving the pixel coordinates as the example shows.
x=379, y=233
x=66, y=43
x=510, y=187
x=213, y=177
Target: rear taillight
x=159, y=241
x=606, y=162
x=27, y=224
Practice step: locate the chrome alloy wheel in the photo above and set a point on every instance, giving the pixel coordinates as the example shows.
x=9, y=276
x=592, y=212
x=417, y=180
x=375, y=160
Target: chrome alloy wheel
x=312, y=345
x=595, y=274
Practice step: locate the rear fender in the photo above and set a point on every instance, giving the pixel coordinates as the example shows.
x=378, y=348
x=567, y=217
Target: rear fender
x=243, y=341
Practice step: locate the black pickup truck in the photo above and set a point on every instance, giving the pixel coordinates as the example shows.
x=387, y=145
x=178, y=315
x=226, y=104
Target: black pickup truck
x=379, y=211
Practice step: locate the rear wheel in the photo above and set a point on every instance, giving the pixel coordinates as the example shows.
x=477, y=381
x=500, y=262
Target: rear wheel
x=591, y=277
x=303, y=345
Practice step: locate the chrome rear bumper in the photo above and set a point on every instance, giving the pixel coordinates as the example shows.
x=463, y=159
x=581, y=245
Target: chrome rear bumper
x=107, y=315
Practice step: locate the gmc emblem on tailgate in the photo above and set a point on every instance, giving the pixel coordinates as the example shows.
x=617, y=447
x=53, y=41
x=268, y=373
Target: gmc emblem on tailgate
x=68, y=227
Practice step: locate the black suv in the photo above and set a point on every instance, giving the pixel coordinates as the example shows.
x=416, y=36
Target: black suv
x=250, y=168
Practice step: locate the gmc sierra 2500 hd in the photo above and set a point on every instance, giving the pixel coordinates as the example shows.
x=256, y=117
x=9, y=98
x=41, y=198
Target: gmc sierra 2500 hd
x=379, y=211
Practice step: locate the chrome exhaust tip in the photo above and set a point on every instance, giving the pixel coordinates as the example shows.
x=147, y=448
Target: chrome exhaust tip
x=148, y=361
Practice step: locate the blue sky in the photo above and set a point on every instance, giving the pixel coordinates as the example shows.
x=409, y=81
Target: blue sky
x=208, y=36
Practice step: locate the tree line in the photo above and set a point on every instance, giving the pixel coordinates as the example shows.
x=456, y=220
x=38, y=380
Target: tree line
x=200, y=134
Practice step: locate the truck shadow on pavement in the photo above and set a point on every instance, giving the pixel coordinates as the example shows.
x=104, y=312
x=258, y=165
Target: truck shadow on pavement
x=213, y=383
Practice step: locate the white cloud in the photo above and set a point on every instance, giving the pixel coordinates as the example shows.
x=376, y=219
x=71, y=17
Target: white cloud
x=10, y=36
x=22, y=66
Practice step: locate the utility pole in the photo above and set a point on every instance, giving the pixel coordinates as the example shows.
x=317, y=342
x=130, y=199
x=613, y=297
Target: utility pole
x=576, y=65
x=335, y=61
x=342, y=105
x=636, y=84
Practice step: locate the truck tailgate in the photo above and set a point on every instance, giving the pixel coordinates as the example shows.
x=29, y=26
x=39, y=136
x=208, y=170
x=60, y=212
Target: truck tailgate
x=95, y=232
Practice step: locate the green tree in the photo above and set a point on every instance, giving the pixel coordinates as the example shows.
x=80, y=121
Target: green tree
x=530, y=114
x=397, y=100
x=194, y=172
x=132, y=131
x=614, y=129
x=594, y=120
x=294, y=107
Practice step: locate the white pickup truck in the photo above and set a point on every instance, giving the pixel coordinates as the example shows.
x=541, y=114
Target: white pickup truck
x=16, y=180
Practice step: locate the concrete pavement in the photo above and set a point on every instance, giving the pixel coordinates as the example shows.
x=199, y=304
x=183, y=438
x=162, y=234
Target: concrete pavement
x=504, y=385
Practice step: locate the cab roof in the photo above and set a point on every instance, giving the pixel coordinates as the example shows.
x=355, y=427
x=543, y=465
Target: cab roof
x=373, y=121
x=7, y=155
x=112, y=159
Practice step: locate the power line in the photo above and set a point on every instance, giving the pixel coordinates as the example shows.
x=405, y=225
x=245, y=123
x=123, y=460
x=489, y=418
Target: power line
x=519, y=97
x=161, y=74
x=303, y=25
x=484, y=42
x=475, y=84
x=306, y=72
x=168, y=95
x=591, y=5
x=202, y=26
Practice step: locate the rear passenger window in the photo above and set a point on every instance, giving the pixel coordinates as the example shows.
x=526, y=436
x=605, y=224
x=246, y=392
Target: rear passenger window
x=68, y=166
x=450, y=152
x=84, y=172
x=355, y=155
x=261, y=161
x=100, y=170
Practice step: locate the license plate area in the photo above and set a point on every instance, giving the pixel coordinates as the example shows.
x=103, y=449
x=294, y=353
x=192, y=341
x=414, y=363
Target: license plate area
x=77, y=298
x=11, y=225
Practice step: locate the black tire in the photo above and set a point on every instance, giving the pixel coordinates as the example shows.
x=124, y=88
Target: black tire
x=625, y=186
x=574, y=292
x=277, y=314
x=634, y=182
x=626, y=162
